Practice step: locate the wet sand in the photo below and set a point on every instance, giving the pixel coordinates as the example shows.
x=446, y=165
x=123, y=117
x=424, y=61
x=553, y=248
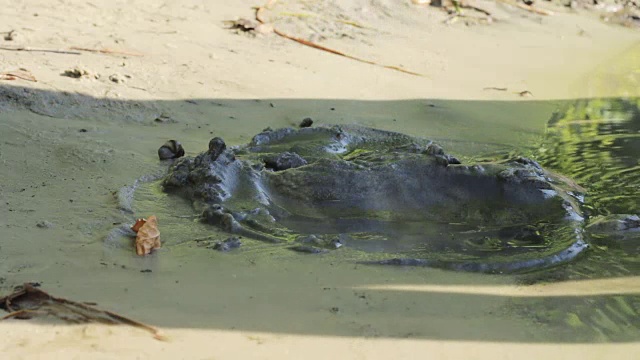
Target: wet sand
x=68, y=145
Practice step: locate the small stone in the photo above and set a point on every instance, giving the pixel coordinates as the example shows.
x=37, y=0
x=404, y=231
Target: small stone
x=44, y=224
x=307, y=122
x=165, y=119
x=116, y=78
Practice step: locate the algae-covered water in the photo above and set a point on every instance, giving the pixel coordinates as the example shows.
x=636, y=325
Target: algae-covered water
x=594, y=142
x=71, y=172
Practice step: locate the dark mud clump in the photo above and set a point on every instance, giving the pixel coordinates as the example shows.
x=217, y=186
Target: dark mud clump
x=388, y=198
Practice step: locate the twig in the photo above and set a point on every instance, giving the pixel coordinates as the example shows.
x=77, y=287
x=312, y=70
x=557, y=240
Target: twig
x=20, y=74
x=106, y=51
x=495, y=88
x=270, y=3
x=22, y=48
x=478, y=9
x=23, y=312
x=527, y=8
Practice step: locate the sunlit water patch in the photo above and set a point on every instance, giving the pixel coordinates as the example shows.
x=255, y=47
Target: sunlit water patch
x=597, y=143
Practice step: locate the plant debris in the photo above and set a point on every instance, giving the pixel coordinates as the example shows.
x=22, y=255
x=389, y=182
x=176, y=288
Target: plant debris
x=27, y=302
x=21, y=73
x=22, y=48
x=528, y=8
x=107, y=51
x=75, y=73
x=248, y=26
x=496, y=88
x=260, y=19
x=10, y=35
x=148, y=235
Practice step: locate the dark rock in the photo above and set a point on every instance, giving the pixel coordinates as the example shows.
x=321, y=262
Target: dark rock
x=44, y=224
x=165, y=119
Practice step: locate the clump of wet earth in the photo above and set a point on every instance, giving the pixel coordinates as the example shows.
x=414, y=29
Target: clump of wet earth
x=386, y=197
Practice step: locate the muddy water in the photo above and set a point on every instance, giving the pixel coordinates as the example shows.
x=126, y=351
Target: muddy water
x=68, y=172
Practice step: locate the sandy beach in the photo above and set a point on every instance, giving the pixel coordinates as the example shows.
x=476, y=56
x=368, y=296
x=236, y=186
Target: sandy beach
x=116, y=79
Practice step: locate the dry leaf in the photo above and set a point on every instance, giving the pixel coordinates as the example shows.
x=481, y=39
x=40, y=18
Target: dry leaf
x=148, y=237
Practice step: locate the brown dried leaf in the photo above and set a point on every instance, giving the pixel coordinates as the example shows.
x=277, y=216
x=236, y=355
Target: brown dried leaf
x=148, y=237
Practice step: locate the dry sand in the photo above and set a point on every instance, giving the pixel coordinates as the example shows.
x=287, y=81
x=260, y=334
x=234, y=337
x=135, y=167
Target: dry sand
x=66, y=145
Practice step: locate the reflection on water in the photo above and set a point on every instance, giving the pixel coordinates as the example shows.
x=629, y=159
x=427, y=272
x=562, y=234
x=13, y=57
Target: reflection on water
x=597, y=143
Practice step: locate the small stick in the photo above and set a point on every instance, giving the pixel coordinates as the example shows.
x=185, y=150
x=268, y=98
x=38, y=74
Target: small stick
x=157, y=334
x=259, y=18
x=106, y=51
x=22, y=48
x=528, y=8
x=23, y=312
x=478, y=9
x=20, y=74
